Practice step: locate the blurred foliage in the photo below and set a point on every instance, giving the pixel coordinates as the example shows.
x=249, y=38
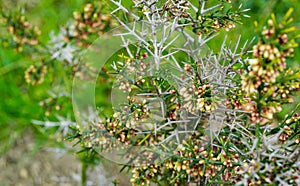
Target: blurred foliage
x=20, y=101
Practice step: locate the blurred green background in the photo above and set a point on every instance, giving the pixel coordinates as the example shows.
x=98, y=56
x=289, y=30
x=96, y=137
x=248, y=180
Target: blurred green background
x=19, y=102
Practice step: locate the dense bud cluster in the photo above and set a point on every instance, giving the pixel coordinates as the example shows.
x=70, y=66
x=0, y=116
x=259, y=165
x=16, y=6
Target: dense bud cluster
x=290, y=129
x=236, y=100
x=21, y=31
x=266, y=79
x=198, y=96
x=199, y=99
x=191, y=162
x=35, y=75
x=91, y=21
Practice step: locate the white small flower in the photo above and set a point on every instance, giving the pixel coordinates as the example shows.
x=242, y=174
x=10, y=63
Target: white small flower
x=60, y=50
x=63, y=124
x=64, y=53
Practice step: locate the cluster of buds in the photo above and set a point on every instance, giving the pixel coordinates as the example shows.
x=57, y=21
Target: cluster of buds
x=131, y=66
x=269, y=60
x=198, y=99
x=22, y=32
x=215, y=22
x=229, y=26
x=283, y=91
x=105, y=142
x=285, y=134
x=219, y=18
x=88, y=23
x=116, y=127
x=268, y=112
x=235, y=99
x=270, y=54
x=280, y=32
x=270, y=30
x=291, y=126
x=113, y=134
x=125, y=86
x=177, y=8
x=133, y=113
x=142, y=175
x=192, y=162
x=125, y=125
x=258, y=76
x=35, y=75
x=206, y=23
x=266, y=75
